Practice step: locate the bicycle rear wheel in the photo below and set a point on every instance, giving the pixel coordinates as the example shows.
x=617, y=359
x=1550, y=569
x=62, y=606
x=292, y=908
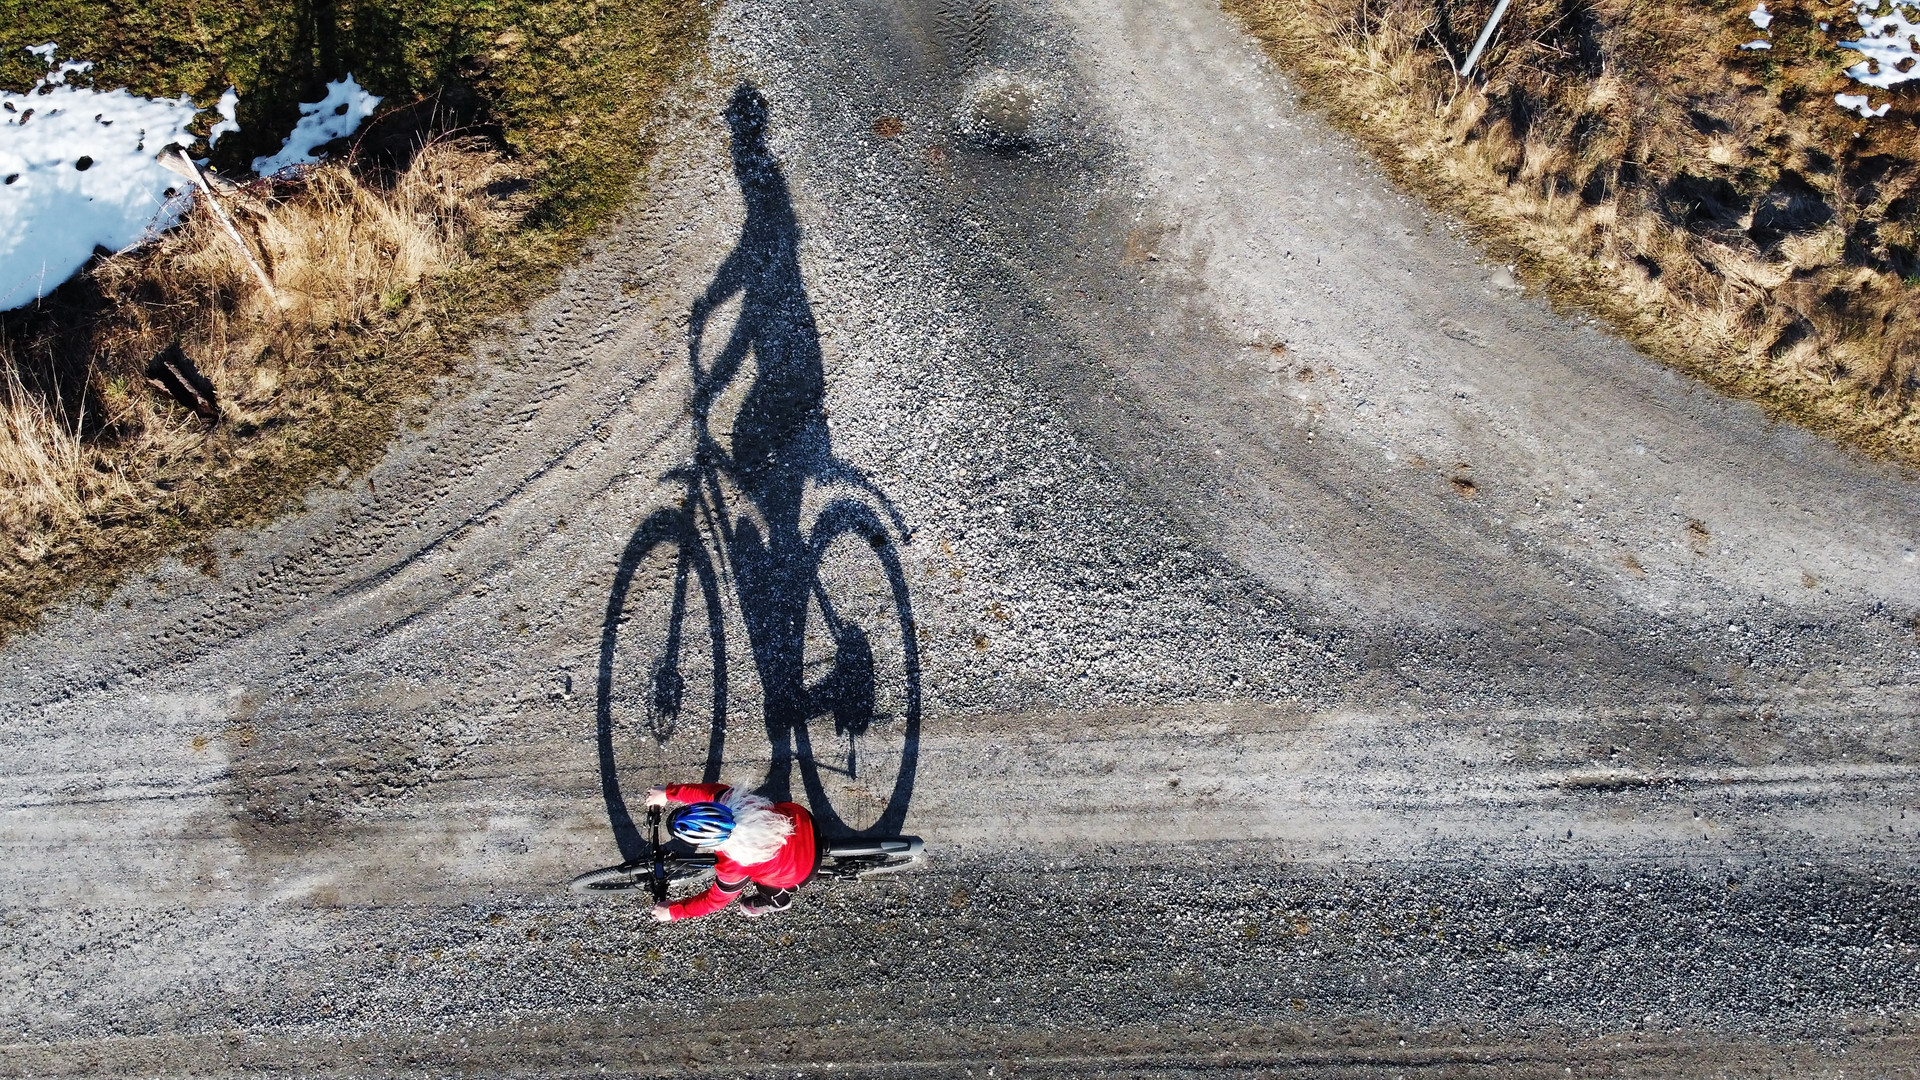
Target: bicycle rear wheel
x=858, y=859
x=875, y=847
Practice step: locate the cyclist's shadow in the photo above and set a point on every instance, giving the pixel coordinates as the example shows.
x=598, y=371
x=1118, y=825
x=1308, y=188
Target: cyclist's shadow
x=744, y=534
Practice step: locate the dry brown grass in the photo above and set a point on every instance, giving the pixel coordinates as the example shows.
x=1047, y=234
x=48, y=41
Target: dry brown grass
x=1713, y=204
x=94, y=458
x=383, y=279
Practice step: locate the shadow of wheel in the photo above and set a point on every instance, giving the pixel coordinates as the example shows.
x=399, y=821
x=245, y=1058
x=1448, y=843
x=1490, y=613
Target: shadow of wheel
x=662, y=686
x=862, y=666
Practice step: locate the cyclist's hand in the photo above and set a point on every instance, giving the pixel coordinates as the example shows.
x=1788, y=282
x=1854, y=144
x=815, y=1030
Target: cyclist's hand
x=657, y=796
x=661, y=913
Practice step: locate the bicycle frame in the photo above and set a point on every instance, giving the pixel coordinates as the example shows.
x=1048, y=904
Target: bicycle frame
x=658, y=857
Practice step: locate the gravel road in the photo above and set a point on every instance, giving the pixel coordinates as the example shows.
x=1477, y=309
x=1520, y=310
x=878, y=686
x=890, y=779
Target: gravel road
x=1302, y=650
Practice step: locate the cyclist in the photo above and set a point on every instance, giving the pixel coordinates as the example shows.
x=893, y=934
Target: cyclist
x=755, y=842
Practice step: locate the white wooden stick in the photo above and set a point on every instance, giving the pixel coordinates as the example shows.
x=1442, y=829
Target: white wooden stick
x=1486, y=35
x=173, y=159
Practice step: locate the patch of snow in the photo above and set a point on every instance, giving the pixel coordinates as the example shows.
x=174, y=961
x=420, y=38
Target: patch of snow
x=1758, y=45
x=79, y=173
x=335, y=116
x=228, y=103
x=1760, y=15
x=1890, y=43
x=1858, y=103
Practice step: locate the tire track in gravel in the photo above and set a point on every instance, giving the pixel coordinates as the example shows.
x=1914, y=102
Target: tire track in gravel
x=355, y=546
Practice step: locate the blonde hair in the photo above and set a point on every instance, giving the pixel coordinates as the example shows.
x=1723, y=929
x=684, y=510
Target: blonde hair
x=759, y=831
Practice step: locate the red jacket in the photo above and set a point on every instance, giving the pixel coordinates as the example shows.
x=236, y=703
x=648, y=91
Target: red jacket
x=790, y=866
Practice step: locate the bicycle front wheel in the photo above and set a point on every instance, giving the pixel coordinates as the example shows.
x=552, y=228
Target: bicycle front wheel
x=612, y=878
x=643, y=875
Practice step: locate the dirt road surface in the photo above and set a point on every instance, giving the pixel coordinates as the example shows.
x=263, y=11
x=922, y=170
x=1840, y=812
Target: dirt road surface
x=1303, y=651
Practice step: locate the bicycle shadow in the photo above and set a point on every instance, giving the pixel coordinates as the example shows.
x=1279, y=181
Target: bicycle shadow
x=744, y=535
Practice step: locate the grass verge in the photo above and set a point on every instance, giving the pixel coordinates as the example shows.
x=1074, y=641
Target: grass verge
x=1712, y=202
x=511, y=131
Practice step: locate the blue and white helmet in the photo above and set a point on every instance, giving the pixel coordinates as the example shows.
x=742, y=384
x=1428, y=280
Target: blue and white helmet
x=703, y=824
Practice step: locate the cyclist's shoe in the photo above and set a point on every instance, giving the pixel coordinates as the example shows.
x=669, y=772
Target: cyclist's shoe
x=764, y=900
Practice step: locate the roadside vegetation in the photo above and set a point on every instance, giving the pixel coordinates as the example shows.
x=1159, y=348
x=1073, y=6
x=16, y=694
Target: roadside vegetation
x=1712, y=202
x=510, y=131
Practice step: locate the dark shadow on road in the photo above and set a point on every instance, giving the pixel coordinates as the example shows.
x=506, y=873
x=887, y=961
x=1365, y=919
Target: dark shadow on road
x=766, y=510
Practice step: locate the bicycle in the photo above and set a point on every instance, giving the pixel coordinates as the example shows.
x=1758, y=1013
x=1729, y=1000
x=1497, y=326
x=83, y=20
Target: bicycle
x=667, y=862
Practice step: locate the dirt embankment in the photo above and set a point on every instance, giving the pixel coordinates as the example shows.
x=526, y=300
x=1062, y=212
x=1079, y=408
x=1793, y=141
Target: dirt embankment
x=1712, y=201
x=174, y=388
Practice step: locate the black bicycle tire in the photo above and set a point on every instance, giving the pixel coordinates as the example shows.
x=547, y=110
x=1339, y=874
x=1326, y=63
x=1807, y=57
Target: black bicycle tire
x=675, y=525
x=869, y=847
x=636, y=875
x=840, y=517
x=610, y=879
